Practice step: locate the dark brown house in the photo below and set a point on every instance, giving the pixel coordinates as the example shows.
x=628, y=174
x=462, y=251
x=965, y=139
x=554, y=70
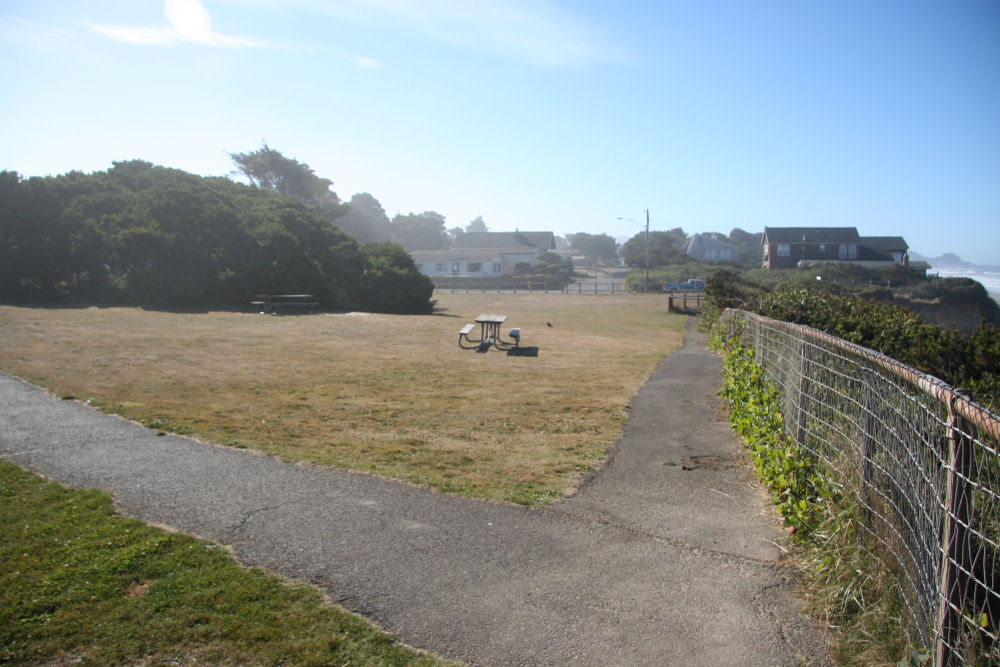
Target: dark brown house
x=788, y=247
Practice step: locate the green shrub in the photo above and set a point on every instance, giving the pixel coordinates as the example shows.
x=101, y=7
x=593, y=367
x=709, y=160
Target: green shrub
x=391, y=282
x=967, y=362
x=798, y=488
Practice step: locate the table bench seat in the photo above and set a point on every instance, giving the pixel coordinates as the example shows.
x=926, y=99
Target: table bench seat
x=284, y=303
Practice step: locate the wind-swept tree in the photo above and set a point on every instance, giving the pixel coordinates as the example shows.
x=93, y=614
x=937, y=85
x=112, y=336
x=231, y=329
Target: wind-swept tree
x=268, y=169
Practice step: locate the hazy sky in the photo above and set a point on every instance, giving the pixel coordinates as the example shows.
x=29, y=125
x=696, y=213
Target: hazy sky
x=538, y=115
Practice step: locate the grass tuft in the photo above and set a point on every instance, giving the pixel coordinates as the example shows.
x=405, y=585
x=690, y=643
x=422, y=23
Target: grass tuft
x=855, y=593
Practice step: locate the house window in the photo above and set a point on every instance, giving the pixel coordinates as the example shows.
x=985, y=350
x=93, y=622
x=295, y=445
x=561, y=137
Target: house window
x=852, y=251
x=822, y=248
x=454, y=267
x=784, y=250
x=496, y=267
x=897, y=257
x=842, y=252
x=441, y=267
x=474, y=267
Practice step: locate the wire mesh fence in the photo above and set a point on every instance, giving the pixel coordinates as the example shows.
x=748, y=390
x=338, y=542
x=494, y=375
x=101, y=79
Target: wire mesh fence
x=921, y=460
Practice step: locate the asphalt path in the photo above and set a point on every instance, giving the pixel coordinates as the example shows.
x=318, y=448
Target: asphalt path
x=667, y=555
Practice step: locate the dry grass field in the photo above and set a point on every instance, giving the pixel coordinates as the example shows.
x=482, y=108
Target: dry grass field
x=383, y=394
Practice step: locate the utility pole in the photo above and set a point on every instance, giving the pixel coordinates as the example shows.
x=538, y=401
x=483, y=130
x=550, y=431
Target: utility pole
x=645, y=287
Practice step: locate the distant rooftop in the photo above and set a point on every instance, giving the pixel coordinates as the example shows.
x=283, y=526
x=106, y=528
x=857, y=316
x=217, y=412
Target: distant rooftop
x=811, y=234
x=505, y=240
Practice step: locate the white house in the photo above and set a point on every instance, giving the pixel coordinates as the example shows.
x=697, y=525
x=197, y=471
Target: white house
x=485, y=254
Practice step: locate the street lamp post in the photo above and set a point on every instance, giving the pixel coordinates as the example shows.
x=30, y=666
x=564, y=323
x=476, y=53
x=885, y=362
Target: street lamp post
x=645, y=286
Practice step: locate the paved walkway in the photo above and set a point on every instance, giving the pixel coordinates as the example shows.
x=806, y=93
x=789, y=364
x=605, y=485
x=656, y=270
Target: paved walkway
x=666, y=556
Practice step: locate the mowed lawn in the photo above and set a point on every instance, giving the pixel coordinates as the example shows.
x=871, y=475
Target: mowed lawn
x=384, y=394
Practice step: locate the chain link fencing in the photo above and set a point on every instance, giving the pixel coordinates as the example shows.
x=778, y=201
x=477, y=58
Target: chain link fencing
x=921, y=460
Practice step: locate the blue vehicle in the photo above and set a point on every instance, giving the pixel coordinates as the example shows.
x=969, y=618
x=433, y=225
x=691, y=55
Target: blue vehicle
x=692, y=285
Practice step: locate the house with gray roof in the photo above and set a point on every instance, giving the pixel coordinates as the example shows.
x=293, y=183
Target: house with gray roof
x=711, y=248
x=788, y=247
x=515, y=239
x=485, y=254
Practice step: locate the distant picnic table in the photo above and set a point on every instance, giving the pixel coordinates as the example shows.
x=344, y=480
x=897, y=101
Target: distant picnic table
x=277, y=304
x=489, y=333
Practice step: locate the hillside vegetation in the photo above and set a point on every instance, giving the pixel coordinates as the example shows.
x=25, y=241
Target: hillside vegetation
x=969, y=361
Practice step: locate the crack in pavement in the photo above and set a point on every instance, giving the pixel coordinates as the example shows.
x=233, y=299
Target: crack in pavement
x=617, y=523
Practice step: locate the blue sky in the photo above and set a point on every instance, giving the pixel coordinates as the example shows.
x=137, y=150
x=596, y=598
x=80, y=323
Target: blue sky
x=558, y=115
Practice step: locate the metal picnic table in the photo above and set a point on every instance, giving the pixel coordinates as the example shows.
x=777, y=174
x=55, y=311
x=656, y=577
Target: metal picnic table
x=277, y=303
x=489, y=332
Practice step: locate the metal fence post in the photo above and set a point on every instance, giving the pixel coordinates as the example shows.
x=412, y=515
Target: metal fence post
x=954, y=541
x=868, y=451
x=801, y=424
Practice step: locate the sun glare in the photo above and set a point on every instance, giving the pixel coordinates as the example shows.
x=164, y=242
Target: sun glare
x=188, y=17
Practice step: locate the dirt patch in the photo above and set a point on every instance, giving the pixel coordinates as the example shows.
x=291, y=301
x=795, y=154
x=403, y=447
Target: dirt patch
x=138, y=588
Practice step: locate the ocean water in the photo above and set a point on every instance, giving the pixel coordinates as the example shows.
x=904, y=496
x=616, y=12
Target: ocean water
x=989, y=276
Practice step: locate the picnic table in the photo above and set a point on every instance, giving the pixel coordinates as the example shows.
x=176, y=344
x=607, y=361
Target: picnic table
x=489, y=333
x=276, y=304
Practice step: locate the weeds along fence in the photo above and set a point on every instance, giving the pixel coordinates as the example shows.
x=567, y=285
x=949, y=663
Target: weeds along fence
x=921, y=460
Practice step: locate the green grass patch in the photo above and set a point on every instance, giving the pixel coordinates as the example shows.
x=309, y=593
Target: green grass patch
x=80, y=583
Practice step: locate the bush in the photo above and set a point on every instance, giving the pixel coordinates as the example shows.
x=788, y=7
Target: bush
x=392, y=283
x=961, y=361
x=953, y=290
x=798, y=489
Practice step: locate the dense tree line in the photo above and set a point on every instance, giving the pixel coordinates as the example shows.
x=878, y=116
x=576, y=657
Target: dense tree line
x=145, y=234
